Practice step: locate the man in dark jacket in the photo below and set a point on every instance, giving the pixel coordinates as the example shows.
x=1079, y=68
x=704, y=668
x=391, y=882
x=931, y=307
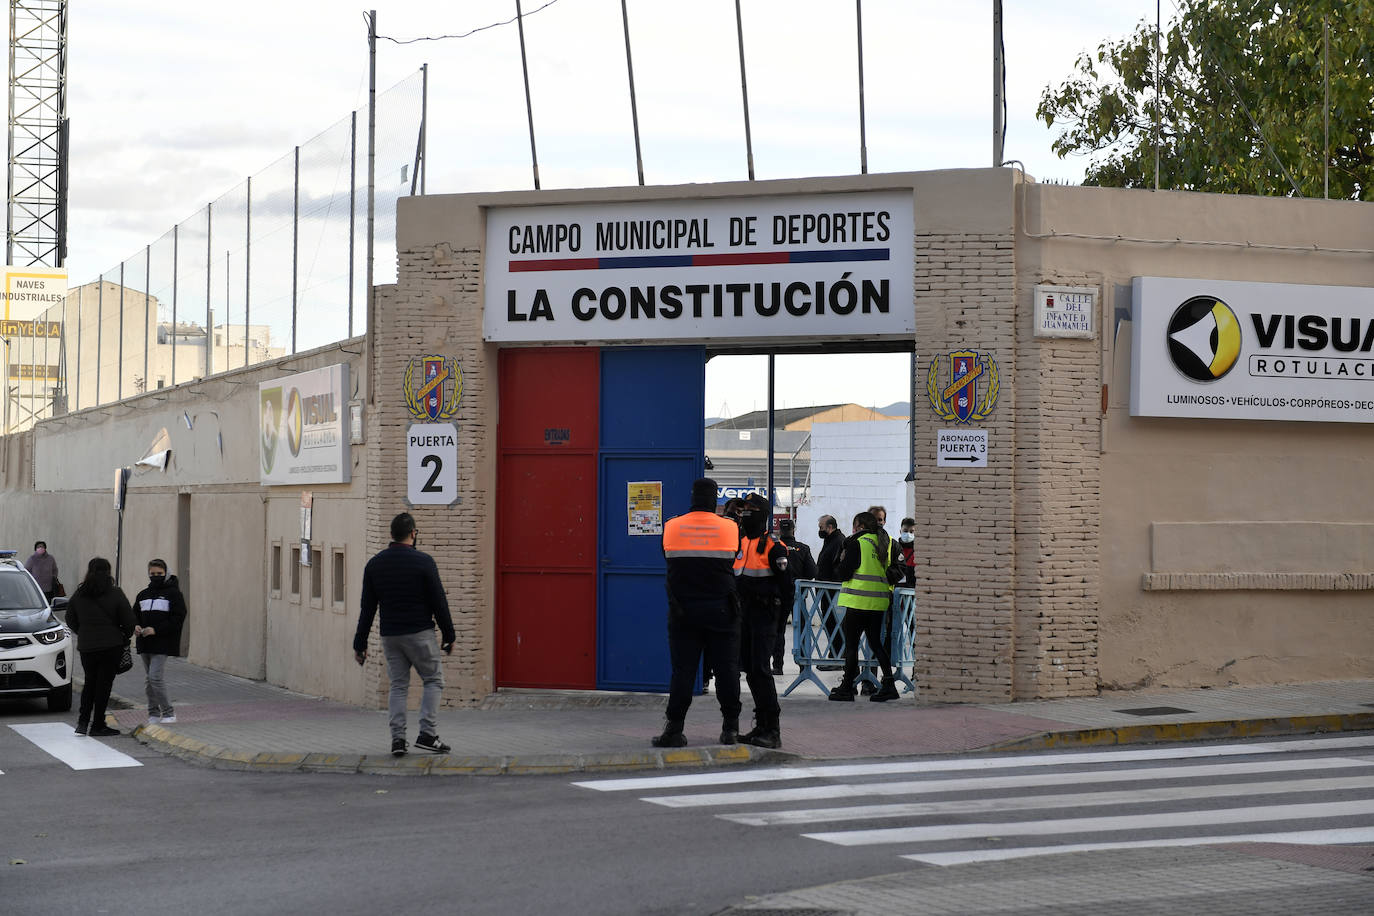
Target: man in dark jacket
x=405, y=584
x=828, y=570
x=160, y=610
x=800, y=565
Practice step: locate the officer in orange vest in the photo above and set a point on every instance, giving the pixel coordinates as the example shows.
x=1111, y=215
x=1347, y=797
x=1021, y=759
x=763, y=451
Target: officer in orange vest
x=762, y=582
x=703, y=611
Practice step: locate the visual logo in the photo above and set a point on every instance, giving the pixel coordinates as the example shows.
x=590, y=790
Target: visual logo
x=270, y=412
x=435, y=394
x=293, y=422
x=958, y=399
x=1204, y=338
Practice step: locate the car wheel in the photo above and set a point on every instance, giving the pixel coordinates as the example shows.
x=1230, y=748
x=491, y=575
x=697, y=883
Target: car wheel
x=60, y=699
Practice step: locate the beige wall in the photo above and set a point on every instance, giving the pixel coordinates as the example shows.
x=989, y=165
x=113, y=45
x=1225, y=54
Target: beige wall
x=1164, y=620
x=206, y=515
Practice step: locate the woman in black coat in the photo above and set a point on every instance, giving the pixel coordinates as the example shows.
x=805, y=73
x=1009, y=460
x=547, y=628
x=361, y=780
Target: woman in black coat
x=100, y=616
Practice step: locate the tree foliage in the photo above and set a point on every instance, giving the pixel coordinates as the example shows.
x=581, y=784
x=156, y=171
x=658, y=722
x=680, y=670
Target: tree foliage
x=1241, y=101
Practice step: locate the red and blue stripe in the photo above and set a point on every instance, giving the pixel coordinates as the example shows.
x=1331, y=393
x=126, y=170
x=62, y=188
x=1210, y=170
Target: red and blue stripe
x=703, y=260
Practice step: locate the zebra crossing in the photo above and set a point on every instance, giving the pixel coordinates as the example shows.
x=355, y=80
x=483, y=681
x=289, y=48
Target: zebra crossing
x=955, y=810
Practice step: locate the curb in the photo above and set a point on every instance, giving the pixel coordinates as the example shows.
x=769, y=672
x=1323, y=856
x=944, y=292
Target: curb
x=222, y=758
x=1189, y=731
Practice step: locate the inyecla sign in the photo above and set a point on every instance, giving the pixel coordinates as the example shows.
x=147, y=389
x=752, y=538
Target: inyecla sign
x=813, y=265
x=1252, y=351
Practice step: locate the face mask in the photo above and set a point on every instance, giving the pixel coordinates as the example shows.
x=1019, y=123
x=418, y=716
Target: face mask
x=907, y=537
x=821, y=534
x=156, y=581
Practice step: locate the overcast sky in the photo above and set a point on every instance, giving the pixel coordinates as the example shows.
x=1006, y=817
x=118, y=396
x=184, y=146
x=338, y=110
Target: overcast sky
x=173, y=103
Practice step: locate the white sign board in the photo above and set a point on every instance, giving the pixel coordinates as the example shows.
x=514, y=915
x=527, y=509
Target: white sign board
x=432, y=464
x=302, y=433
x=30, y=291
x=816, y=265
x=1065, y=311
x=961, y=448
x=1252, y=351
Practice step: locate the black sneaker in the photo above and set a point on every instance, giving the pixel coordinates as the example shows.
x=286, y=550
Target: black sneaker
x=432, y=743
x=102, y=731
x=398, y=747
x=82, y=727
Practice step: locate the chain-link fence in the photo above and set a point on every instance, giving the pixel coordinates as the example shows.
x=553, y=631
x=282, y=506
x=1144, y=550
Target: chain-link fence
x=274, y=266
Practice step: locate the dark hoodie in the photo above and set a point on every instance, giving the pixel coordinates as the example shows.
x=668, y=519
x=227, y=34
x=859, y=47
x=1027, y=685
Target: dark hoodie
x=163, y=608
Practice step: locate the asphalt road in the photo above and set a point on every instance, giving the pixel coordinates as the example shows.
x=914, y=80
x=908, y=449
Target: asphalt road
x=157, y=835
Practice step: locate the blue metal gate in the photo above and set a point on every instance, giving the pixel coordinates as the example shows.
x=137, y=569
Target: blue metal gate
x=652, y=432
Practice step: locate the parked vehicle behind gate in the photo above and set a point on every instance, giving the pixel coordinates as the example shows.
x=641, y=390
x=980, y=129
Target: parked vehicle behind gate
x=35, y=646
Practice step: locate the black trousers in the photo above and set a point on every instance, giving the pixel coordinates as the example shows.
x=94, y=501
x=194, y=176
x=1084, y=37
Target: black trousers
x=757, y=632
x=869, y=624
x=99, y=668
x=780, y=639
x=711, y=635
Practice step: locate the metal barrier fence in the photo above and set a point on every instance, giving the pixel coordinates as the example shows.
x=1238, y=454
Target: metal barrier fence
x=272, y=267
x=818, y=637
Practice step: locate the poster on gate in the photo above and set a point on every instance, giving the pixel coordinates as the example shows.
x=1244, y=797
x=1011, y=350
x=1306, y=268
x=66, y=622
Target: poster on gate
x=645, y=499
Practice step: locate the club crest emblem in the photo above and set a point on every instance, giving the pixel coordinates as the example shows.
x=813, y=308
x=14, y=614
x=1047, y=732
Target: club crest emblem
x=433, y=386
x=968, y=390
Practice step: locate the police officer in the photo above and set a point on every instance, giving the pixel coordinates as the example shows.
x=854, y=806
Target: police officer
x=800, y=565
x=761, y=571
x=703, y=611
x=865, y=597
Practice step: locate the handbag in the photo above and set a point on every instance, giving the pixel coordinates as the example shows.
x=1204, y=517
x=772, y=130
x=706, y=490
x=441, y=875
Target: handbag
x=58, y=589
x=126, y=660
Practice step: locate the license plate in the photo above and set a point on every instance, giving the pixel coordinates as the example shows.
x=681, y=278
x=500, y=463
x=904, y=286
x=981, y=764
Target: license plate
x=8, y=667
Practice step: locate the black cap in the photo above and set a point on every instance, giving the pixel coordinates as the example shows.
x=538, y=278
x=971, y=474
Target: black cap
x=787, y=525
x=704, y=492
x=756, y=501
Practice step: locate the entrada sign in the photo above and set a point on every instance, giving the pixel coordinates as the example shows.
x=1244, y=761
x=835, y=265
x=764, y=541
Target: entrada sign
x=786, y=266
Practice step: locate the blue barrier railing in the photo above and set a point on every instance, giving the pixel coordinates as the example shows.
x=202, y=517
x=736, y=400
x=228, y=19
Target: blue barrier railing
x=818, y=637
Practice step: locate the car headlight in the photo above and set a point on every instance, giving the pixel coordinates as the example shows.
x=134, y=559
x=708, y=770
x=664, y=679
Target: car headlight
x=51, y=637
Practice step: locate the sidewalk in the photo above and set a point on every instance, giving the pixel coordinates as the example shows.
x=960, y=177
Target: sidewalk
x=233, y=723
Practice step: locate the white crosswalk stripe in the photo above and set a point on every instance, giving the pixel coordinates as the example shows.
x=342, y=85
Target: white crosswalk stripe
x=76, y=751
x=963, y=810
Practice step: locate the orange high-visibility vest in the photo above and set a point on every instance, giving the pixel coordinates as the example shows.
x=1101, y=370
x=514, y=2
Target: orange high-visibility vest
x=700, y=534
x=750, y=562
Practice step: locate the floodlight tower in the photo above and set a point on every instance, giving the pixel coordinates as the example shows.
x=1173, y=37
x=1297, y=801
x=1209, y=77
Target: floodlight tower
x=36, y=215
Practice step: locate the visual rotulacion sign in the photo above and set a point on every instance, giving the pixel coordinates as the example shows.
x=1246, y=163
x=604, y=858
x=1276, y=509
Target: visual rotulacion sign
x=1252, y=351
x=811, y=265
x=303, y=437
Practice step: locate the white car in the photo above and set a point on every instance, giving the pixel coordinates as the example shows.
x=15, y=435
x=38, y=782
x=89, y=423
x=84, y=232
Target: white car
x=36, y=649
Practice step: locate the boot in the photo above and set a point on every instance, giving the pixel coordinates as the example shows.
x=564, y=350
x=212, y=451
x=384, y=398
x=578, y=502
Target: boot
x=672, y=735
x=844, y=692
x=748, y=737
x=729, y=730
x=887, y=692
x=768, y=734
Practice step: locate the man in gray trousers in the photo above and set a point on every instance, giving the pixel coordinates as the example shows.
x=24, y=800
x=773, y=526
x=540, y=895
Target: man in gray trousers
x=404, y=582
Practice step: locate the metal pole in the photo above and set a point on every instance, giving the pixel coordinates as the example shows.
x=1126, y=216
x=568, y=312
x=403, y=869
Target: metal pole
x=529, y=108
x=998, y=80
x=147, y=306
x=371, y=190
x=175, y=271
x=295, y=242
x=247, y=265
x=119, y=351
x=99, y=332
x=771, y=424
x=209, y=312
x=424, y=124
x=1157, y=111
x=1326, y=108
x=634, y=108
x=9, y=173
x=744, y=91
x=352, y=210
x=863, y=131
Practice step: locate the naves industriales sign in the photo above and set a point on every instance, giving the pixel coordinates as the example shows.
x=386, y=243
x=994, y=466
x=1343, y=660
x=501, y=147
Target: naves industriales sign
x=1252, y=351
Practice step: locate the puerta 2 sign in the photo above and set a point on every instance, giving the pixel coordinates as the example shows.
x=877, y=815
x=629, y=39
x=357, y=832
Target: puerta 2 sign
x=810, y=265
x=1252, y=351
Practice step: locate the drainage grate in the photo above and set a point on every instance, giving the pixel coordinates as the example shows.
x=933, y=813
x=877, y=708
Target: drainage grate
x=1155, y=711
